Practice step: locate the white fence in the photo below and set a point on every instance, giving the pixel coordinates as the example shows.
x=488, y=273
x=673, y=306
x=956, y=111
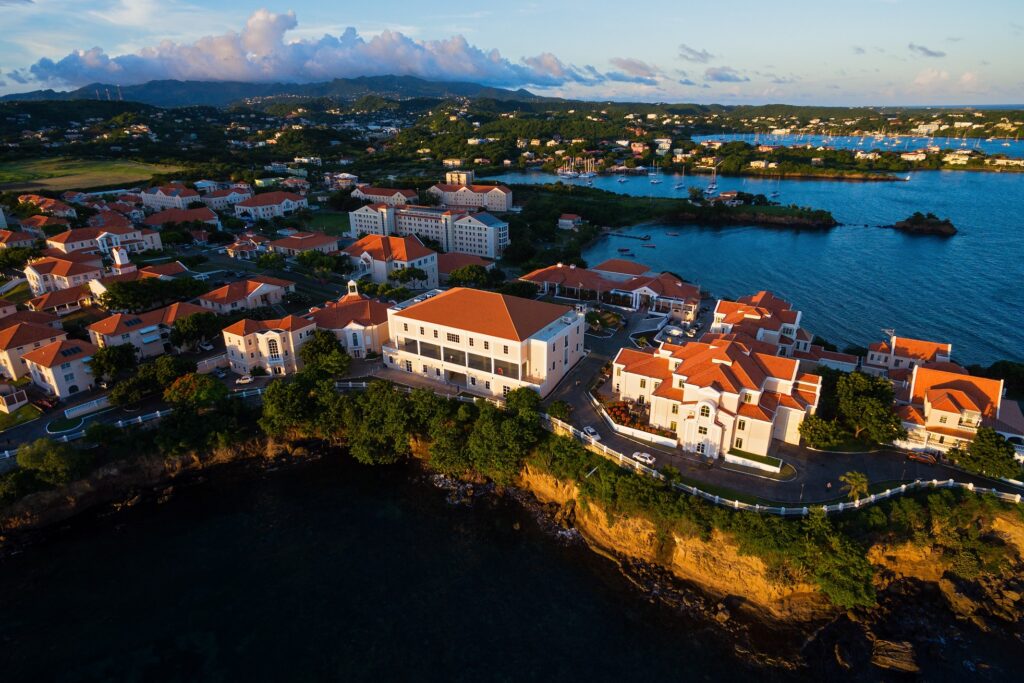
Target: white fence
x=88, y=407
x=210, y=364
x=656, y=439
x=142, y=418
x=555, y=425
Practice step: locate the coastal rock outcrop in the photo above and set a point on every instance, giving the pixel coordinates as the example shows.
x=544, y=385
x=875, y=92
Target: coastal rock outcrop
x=925, y=224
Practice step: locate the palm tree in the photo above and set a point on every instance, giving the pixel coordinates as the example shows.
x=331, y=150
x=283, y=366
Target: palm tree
x=856, y=484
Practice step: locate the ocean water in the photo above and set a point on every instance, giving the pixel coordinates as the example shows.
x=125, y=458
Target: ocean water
x=333, y=571
x=1011, y=147
x=856, y=280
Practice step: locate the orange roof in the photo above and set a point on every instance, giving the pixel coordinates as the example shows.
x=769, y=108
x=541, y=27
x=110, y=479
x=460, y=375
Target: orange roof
x=476, y=189
x=623, y=266
x=488, y=313
x=642, y=363
x=386, y=191
x=63, y=267
x=60, y=297
x=173, y=190
x=301, y=241
x=390, y=248
x=289, y=323
x=203, y=215
x=454, y=260
x=236, y=291
x=41, y=222
x=19, y=334
x=169, y=268
x=10, y=237
x=60, y=352
x=122, y=323
x=348, y=309
x=108, y=220
x=919, y=349
x=34, y=317
x=986, y=394
x=269, y=199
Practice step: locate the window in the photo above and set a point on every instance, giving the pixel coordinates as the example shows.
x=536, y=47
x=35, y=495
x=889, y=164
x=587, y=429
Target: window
x=470, y=341
x=700, y=448
x=65, y=366
x=504, y=349
x=942, y=420
x=748, y=398
x=702, y=431
x=70, y=377
x=705, y=411
x=643, y=383
x=273, y=349
x=472, y=381
x=739, y=442
x=487, y=384
x=405, y=327
x=435, y=334
x=618, y=372
x=672, y=426
x=675, y=408
x=741, y=425
x=487, y=345
x=505, y=390
x=355, y=339
x=422, y=331
x=453, y=338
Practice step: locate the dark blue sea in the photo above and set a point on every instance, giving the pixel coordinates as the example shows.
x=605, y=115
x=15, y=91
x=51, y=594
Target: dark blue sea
x=853, y=281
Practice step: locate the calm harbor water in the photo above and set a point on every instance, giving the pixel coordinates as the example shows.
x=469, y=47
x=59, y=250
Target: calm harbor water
x=339, y=572
x=1011, y=147
x=855, y=280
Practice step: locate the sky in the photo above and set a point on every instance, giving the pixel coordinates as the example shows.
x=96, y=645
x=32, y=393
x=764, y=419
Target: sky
x=875, y=52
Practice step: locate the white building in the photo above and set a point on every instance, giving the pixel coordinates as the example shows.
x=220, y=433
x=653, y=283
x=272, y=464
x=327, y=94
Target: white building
x=485, y=342
x=269, y=344
x=358, y=322
x=480, y=234
x=488, y=197
x=224, y=200
x=270, y=205
x=385, y=195
x=173, y=196
x=381, y=256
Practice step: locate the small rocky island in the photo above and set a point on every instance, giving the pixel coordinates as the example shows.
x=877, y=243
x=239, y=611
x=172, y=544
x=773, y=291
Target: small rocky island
x=925, y=224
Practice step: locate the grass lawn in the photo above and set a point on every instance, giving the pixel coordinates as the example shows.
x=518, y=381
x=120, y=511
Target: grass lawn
x=79, y=174
x=63, y=424
x=23, y=414
x=19, y=294
x=330, y=222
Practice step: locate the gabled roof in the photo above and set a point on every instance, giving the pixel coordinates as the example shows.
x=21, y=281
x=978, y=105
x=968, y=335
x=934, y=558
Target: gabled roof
x=19, y=334
x=288, y=323
x=946, y=390
x=453, y=260
x=62, y=267
x=237, y=291
x=389, y=248
x=305, y=240
x=40, y=222
x=59, y=352
x=34, y=317
x=60, y=297
x=919, y=349
x=487, y=313
x=269, y=199
x=475, y=189
x=123, y=323
x=10, y=237
x=622, y=266
x=109, y=220
x=386, y=191
x=173, y=190
x=350, y=308
x=202, y=214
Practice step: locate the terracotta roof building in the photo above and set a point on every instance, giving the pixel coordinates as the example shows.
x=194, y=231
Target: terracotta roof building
x=385, y=195
x=147, y=332
x=245, y=295
x=359, y=322
x=301, y=242
x=269, y=344
x=61, y=368
x=270, y=205
x=19, y=338
x=379, y=257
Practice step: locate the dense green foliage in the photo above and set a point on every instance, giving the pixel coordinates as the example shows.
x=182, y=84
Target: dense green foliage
x=855, y=410
x=142, y=295
x=323, y=354
x=195, y=329
x=988, y=453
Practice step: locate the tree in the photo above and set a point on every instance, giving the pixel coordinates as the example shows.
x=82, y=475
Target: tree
x=136, y=295
x=378, y=425
x=821, y=433
x=112, y=363
x=560, y=410
x=51, y=462
x=473, y=275
x=287, y=406
x=194, y=329
x=324, y=354
x=988, y=453
x=448, y=453
x=866, y=406
x=270, y=261
x=406, y=275
x=193, y=392
x=855, y=484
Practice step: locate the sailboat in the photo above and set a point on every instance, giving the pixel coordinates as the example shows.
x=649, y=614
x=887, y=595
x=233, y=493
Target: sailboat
x=680, y=184
x=712, y=187
x=655, y=180
x=775, y=192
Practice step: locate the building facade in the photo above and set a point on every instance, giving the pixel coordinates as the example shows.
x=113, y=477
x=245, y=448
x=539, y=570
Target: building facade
x=148, y=332
x=480, y=234
x=496, y=198
x=379, y=257
x=269, y=344
x=357, y=321
x=270, y=205
x=18, y=339
x=245, y=295
x=61, y=368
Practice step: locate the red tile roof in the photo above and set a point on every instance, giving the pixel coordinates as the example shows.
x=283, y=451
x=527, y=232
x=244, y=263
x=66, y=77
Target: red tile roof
x=269, y=199
x=246, y=326
x=303, y=241
x=390, y=248
x=203, y=215
x=453, y=260
x=350, y=308
x=623, y=266
x=236, y=291
x=122, y=323
x=20, y=334
x=60, y=352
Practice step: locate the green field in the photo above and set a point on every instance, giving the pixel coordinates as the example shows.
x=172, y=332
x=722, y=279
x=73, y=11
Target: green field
x=330, y=222
x=77, y=174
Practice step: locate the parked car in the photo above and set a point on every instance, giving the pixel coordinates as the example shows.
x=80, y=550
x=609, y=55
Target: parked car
x=592, y=433
x=206, y=346
x=643, y=458
x=926, y=458
x=244, y=379
x=220, y=373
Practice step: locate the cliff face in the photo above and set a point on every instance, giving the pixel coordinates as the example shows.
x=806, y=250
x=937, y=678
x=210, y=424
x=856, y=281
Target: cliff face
x=717, y=567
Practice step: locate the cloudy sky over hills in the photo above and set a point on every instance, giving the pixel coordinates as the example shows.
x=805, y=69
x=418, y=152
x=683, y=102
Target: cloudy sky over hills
x=876, y=52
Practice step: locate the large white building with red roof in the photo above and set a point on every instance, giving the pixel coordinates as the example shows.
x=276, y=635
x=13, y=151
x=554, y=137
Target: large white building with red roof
x=762, y=317
x=258, y=291
x=61, y=368
x=224, y=200
x=300, y=242
x=379, y=257
x=496, y=198
x=718, y=396
x=50, y=273
x=390, y=196
x=942, y=407
x=357, y=321
x=105, y=239
x=202, y=214
x=897, y=356
x=270, y=205
x=484, y=342
x=172, y=196
x=19, y=338
x=148, y=332
x=269, y=344
x=479, y=233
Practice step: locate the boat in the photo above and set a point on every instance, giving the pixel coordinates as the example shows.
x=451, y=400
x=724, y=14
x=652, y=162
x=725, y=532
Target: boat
x=621, y=179
x=623, y=250
x=672, y=234
x=649, y=246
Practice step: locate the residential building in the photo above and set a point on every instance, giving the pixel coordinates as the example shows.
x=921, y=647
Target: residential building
x=14, y=240
x=718, y=397
x=484, y=342
x=385, y=195
x=61, y=368
x=51, y=273
x=248, y=246
x=270, y=205
x=62, y=301
x=176, y=216
x=453, y=260
x=379, y=257
x=943, y=407
x=105, y=240
x=225, y=200
x=569, y=221
x=147, y=332
x=10, y=315
x=896, y=356
x=913, y=156
x=20, y=338
x=480, y=233
x=245, y=295
x=173, y=196
x=269, y=344
x=764, y=318
x=357, y=321
x=487, y=197
x=300, y=242
x=51, y=207
x=43, y=224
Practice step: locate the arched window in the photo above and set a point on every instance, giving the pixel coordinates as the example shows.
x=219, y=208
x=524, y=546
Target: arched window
x=705, y=411
x=273, y=349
